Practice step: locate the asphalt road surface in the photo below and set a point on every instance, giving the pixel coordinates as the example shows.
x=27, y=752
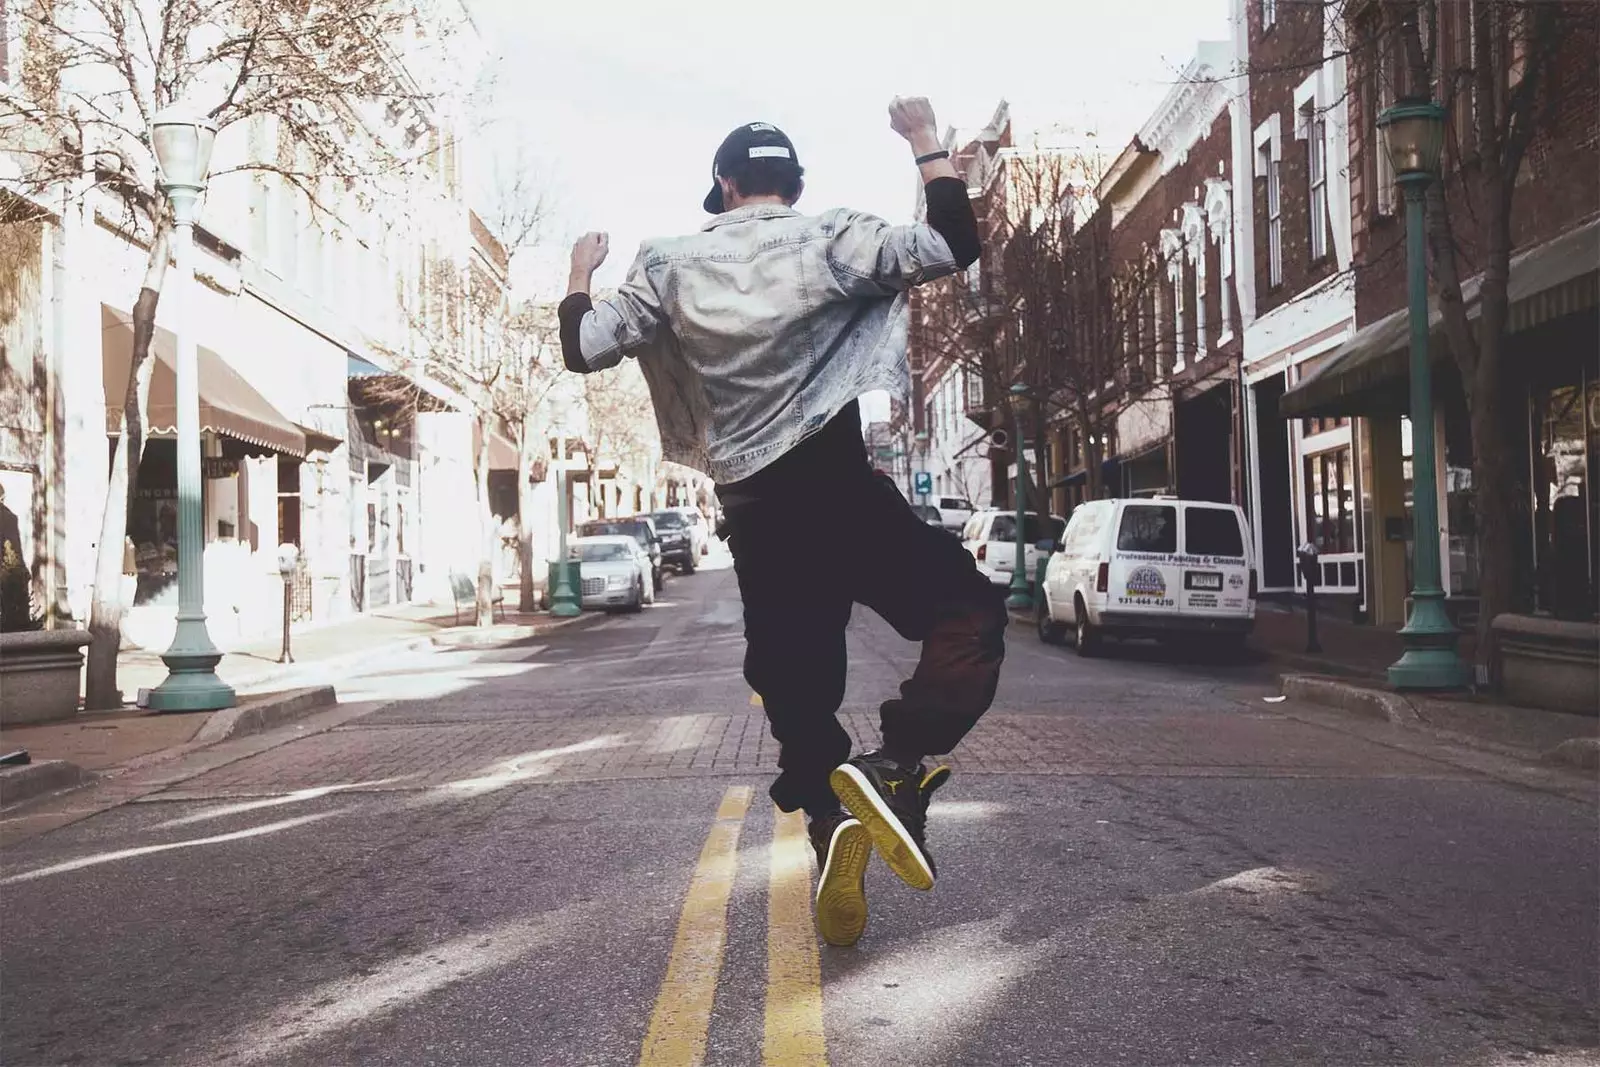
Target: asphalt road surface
x=563, y=854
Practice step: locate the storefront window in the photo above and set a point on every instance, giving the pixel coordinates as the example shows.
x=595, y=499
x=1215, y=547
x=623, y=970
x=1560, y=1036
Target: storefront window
x=1331, y=501
x=1565, y=436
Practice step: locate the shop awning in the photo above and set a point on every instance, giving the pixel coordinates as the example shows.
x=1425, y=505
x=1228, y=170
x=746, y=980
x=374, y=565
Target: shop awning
x=229, y=405
x=1369, y=372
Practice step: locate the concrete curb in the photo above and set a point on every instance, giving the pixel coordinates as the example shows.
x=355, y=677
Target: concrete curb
x=1372, y=703
x=36, y=779
x=258, y=716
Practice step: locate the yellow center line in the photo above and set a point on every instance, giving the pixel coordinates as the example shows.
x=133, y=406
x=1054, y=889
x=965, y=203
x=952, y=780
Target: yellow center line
x=794, y=1036
x=682, y=1016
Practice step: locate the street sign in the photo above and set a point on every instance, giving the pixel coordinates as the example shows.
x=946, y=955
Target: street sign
x=924, y=483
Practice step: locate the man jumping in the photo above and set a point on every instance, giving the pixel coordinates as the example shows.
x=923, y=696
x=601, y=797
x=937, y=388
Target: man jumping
x=757, y=335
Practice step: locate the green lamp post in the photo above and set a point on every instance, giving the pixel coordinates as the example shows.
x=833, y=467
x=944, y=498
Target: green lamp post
x=1021, y=596
x=1413, y=136
x=182, y=145
x=564, y=599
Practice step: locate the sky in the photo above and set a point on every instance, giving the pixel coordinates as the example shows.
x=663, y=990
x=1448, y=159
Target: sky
x=618, y=107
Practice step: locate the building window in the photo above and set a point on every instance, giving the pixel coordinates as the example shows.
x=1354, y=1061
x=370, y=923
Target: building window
x=1317, y=178
x=1274, y=223
x=1383, y=97
x=1313, y=426
x=1330, y=502
x=1269, y=14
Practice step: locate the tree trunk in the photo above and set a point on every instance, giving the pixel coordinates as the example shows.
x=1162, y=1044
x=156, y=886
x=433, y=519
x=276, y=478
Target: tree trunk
x=1092, y=473
x=486, y=526
x=101, y=690
x=1499, y=504
x=527, y=454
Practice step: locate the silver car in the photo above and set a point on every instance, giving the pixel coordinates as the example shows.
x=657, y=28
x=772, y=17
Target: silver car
x=614, y=571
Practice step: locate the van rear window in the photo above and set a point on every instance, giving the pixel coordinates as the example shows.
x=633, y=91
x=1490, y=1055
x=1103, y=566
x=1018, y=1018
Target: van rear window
x=1148, y=528
x=1213, y=532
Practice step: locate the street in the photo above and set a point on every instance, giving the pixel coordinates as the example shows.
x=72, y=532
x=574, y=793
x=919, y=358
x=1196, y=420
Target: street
x=563, y=854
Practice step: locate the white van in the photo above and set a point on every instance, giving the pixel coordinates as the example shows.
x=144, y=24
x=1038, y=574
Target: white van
x=1155, y=567
x=991, y=537
x=954, y=512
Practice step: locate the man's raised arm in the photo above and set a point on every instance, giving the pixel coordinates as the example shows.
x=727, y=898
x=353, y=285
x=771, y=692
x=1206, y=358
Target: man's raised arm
x=597, y=336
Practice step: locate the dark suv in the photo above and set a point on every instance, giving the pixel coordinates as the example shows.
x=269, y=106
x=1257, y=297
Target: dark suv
x=677, y=542
x=639, y=527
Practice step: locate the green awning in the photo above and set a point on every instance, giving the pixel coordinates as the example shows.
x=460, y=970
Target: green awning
x=1369, y=372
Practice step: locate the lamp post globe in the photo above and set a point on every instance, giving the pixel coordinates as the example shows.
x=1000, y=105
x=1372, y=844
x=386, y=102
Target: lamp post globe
x=1021, y=590
x=181, y=142
x=1413, y=138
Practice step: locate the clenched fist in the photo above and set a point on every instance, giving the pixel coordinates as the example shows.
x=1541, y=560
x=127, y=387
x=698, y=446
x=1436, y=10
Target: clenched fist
x=912, y=117
x=590, y=251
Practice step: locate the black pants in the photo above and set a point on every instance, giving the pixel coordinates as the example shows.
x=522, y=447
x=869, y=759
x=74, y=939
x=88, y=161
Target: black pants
x=802, y=563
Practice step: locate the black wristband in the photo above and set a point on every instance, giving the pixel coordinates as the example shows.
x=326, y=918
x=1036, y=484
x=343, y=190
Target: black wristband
x=931, y=156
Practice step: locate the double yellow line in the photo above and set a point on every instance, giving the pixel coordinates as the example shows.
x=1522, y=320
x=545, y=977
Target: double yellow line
x=682, y=1016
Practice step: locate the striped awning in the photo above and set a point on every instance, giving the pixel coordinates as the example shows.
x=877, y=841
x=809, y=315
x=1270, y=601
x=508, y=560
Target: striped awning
x=1557, y=278
x=229, y=405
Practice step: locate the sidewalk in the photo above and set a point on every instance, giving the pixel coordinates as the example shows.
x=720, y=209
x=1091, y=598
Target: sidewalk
x=1349, y=649
x=270, y=693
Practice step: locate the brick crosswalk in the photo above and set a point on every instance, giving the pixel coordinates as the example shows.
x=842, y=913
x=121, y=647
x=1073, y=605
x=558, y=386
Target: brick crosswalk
x=419, y=756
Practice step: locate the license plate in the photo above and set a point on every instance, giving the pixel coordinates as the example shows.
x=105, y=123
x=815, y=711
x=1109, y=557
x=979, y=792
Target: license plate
x=1203, y=580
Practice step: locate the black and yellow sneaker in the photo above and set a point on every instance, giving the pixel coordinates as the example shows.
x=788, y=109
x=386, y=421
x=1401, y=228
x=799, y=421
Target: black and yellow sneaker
x=892, y=803
x=843, y=849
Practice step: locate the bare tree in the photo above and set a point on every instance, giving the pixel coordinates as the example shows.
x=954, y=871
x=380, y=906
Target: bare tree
x=1054, y=309
x=466, y=333
x=325, y=83
x=622, y=422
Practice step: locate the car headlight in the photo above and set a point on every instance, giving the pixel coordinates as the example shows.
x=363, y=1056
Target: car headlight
x=617, y=581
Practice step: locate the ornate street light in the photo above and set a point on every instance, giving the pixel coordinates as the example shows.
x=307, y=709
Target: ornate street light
x=182, y=145
x=1021, y=589
x=1413, y=136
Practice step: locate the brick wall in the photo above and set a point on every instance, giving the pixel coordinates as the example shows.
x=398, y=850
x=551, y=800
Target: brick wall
x=1559, y=185
x=1281, y=58
x=1208, y=157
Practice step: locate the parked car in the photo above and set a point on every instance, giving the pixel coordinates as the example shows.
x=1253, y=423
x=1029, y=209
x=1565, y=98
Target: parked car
x=954, y=512
x=991, y=537
x=639, y=527
x=678, y=546
x=615, y=572
x=1158, y=567
x=928, y=514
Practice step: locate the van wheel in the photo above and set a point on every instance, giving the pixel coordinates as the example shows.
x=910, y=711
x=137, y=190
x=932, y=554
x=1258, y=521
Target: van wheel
x=1050, y=631
x=1086, y=635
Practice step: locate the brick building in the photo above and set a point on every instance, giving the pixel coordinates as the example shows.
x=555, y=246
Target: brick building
x=1160, y=249
x=1306, y=477
x=1552, y=330
x=953, y=329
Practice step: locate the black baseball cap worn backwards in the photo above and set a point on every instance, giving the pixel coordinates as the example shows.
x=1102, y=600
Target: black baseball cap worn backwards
x=754, y=140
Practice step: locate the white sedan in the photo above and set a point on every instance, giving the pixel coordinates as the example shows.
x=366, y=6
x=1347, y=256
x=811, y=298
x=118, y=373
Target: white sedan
x=614, y=573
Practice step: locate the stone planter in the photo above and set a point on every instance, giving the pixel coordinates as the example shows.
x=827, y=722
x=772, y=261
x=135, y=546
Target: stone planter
x=1547, y=663
x=39, y=674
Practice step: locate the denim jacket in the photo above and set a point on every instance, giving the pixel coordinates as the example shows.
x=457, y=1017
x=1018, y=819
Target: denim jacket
x=755, y=331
